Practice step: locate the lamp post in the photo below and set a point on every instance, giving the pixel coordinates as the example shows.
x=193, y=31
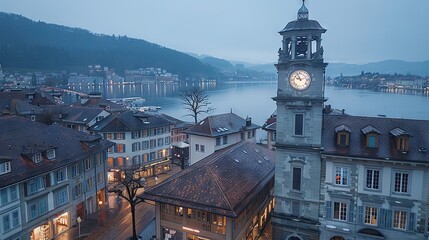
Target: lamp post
x=100, y=203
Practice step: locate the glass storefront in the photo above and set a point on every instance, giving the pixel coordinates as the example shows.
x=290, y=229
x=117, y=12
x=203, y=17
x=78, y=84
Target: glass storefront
x=42, y=232
x=61, y=223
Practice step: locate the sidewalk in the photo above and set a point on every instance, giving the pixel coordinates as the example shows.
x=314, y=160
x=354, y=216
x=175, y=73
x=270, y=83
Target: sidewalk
x=100, y=223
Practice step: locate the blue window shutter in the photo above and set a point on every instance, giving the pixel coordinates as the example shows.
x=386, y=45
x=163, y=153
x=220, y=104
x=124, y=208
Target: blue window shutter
x=411, y=220
x=389, y=219
x=360, y=214
x=328, y=210
x=124, y=148
x=382, y=218
x=115, y=149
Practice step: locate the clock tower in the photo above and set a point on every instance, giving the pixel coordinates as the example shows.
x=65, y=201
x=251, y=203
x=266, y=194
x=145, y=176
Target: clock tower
x=300, y=99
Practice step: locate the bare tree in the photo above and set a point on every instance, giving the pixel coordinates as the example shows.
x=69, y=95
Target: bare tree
x=196, y=101
x=127, y=186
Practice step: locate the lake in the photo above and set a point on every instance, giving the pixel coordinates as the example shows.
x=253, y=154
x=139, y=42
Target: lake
x=255, y=99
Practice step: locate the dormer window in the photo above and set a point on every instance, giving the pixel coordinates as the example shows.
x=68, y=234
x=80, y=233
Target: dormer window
x=50, y=154
x=5, y=168
x=343, y=135
x=37, y=158
x=402, y=139
x=371, y=136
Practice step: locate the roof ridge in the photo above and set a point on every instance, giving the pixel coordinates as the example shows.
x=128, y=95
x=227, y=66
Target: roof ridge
x=220, y=188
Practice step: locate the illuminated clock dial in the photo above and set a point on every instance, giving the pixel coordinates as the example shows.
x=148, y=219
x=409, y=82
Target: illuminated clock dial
x=300, y=80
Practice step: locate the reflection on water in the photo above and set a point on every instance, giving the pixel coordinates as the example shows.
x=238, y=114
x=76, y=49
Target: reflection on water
x=254, y=99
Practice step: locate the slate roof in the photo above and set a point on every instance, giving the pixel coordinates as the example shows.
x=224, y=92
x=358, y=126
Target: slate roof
x=300, y=25
x=74, y=114
x=177, y=123
x=101, y=103
x=131, y=121
x=21, y=137
x=17, y=102
x=219, y=125
x=223, y=183
x=387, y=128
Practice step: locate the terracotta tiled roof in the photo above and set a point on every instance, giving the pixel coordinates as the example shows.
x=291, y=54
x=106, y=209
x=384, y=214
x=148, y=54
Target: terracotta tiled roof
x=223, y=183
x=219, y=125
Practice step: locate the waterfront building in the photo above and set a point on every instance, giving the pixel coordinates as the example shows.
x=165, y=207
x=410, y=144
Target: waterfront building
x=217, y=132
x=338, y=176
x=49, y=176
x=143, y=141
x=227, y=195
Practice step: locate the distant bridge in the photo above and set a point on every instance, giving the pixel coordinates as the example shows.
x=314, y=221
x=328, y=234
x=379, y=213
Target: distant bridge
x=62, y=90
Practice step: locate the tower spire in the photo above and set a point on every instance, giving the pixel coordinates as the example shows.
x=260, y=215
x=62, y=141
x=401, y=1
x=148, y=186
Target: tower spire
x=303, y=12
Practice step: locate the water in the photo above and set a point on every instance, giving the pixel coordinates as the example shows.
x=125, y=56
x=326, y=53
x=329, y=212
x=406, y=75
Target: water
x=254, y=100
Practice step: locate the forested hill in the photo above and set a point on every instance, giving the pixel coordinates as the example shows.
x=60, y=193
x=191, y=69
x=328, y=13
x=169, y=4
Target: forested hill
x=26, y=44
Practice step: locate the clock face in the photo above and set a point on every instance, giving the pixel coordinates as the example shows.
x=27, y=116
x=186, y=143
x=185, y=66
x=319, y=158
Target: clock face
x=300, y=80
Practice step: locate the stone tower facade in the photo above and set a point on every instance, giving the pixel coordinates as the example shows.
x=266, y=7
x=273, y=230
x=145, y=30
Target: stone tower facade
x=300, y=99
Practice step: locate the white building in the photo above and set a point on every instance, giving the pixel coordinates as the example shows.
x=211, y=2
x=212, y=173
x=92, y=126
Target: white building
x=217, y=132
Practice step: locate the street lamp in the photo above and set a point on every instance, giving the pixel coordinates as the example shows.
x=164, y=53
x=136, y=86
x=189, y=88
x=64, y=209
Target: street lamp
x=101, y=213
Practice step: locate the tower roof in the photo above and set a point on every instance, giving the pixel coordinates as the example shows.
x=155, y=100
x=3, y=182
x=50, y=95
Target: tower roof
x=302, y=22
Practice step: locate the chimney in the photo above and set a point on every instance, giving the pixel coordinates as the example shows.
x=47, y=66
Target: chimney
x=248, y=121
x=342, y=111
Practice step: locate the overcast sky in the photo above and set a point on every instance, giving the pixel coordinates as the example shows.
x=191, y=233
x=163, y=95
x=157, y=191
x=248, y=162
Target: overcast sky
x=359, y=31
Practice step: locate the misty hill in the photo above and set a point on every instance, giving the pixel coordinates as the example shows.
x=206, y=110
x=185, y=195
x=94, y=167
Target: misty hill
x=26, y=44
x=385, y=67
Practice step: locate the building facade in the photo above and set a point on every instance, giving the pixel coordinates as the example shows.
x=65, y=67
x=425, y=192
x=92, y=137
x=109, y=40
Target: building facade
x=143, y=140
x=45, y=183
x=208, y=201
x=217, y=132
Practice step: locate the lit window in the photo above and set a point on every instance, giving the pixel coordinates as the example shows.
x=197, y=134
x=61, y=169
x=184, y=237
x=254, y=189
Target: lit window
x=399, y=219
x=371, y=215
x=340, y=211
x=341, y=176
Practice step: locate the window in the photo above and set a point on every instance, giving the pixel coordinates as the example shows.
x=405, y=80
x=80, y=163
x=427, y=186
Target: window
x=135, y=135
x=38, y=208
x=249, y=135
x=402, y=143
x=372, y=179
x=218, y=141
x=135, y=147
x=89, y=183
x=98, y=159
x=108, y=136
x=145, y=157
x=50, y=154
x=100, y=177
x=160, y=141
x=242, y=136
x=152, y=143
x=120, y=148
x=299, y=124
x=372, y=140
x=110, y=150
x=343, y=138
x=296, y=179
x=11, y=220
x=167, y=140
x=401, y=182
x=5, y=168
x=78, y=189
x=8, y=195
x=60, y=175
x=197, y=147
x=145, y=145
x=60, y=197
x=88, y=164
x=35, y=185
x=225, y=140
x=119, y=136
x=399, y=219
x=74, y=170
x=371, y=215
x=202, y=148
x=152, y=156
x=340, y=211
x=341, y=176
x=253, y=133
x=37, y=157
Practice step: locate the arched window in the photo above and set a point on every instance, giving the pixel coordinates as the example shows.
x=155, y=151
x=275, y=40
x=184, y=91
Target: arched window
x=337, y=238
